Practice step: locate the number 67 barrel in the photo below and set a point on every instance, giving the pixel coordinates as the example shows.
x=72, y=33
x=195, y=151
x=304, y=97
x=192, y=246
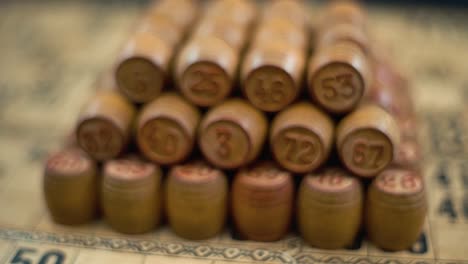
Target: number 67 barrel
x=367, y=140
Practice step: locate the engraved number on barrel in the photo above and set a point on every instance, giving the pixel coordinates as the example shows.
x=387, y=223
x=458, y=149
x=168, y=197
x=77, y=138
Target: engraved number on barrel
x=29, y=256
x=205, y=83
x=407, y=181
x=333, y=178
x=66, y=161
x=300, y=148
x=223, y=136
x=368, y=154
x=140, y=83
x=270, y=89
x=196, y=169
x=163, y=139
x=265, y=172
x=97, y=140
x=340, y=86
x=129, y=167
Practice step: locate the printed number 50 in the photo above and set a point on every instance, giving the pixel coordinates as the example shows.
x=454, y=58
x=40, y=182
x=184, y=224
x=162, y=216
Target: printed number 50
x=47, y=257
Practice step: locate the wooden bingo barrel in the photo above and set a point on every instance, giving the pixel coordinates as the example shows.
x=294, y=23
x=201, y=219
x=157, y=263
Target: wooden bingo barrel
x=329, y=209
x=143, y=67
x=196, y=200
x=131, y=195
x=207, y=65
x=338, y=76
x=395, y=209
x=272, y=71
x=272, y=75
x=206, y=70
x=144, y=64
x=166, y=129
x=367, y=140
x=262, y=202
x=71, y=187
x=232, y=134
x=301, y=137
x=104, y=124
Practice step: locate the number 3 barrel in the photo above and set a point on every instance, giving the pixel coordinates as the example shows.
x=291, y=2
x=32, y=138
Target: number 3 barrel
x=367, y=140
x=232, y=134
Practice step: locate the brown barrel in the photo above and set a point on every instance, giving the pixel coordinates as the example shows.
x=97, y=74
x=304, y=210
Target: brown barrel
x=131, y=195
x=104, y=124
x=196, y=200
x=367, y=140
x=272, y=75
x=396, y=208
x=166, y=129
x=338, y=76
x=71, y=187
x=262, y=202
x=232, y=134
x=143, y=68
x=329, y=209
x=206, y=69
x=301, y=137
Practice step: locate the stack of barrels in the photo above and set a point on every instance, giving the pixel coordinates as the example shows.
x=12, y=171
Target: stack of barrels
x=243, y=119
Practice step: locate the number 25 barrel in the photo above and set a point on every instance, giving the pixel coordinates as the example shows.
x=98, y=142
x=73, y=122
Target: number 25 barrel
x=367, y=140
x=166, y=129
x=338, y=76
x=232, y=134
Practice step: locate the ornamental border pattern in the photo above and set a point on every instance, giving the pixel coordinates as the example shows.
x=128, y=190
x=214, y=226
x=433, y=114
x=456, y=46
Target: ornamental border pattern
x=192, y=250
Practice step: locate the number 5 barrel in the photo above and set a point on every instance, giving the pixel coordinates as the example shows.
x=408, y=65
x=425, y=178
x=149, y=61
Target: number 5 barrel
x=367, y=140
x=232, y=134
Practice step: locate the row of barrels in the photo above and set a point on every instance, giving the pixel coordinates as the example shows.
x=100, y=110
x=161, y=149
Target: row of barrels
x=330, y=207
